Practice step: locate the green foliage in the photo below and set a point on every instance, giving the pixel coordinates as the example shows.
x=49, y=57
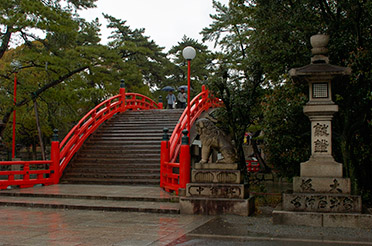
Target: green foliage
x=281, y=41
x=65, y=69
x=286, y=128
x=237, y=77
x=263, y=39
x=177, y=74
x=143, y=61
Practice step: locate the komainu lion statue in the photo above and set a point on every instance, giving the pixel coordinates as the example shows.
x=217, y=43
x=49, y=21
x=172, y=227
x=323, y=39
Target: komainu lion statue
x=212, y=137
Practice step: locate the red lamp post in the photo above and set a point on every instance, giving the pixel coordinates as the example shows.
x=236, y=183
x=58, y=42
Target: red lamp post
x=188, y=53
x=16, y=65
x=14, y=114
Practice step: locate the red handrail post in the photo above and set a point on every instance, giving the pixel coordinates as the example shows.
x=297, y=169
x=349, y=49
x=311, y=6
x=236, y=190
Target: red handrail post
x=164, y=155
x=205, y=94
x=55, y=156
x=122, y=93
x=185, y=160
x=160, y=102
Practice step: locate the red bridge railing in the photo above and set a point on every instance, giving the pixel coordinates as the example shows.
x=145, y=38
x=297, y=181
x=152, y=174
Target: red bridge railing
x=28, y=173
x=173, y=174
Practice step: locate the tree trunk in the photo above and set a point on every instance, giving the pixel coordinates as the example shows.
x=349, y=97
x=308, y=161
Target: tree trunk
x=39, y=130
x=257, y=154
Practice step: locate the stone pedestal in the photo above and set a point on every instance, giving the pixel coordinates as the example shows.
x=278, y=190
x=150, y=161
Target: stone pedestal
x=216, y=189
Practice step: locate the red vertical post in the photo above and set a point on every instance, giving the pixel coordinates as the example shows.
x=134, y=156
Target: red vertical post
x=160, y=103
x=14, y=115
x=205, y=94
x=164, y=155
x=188, y=95
x=26, y=169
x=122, y=93
x=185, y=161
x=55, y=157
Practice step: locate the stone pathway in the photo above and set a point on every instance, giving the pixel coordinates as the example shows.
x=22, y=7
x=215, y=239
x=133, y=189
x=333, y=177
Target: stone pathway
x=34, y=226
x=20, y=226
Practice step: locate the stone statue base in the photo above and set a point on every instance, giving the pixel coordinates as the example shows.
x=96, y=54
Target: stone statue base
x=216, y=188
x=219, y=166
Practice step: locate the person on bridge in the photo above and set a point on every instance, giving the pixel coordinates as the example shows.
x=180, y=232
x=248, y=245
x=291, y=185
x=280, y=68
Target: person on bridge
x=171, y=99
x=182, y=98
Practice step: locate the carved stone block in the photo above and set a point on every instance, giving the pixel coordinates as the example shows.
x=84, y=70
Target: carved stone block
x=234, y=191
x=351, y=220
x=321, y=166
x=216, y=176
x=336, y=203
x=215, y=206
x=321, y=185
x=216, y=166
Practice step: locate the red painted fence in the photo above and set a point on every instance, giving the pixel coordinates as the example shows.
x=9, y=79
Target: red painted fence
x=29, y=173
x=170, y=179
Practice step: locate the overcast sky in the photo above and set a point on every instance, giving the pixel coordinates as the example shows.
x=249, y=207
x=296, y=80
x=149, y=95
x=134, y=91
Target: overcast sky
x=165, y=21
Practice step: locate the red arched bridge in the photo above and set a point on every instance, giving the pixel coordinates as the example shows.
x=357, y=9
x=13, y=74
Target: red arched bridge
x=83, y=155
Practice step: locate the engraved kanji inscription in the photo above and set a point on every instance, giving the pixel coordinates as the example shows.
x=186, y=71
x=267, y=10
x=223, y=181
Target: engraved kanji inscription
x=306, y=185
x=321, y=145
x=334, y=186
x=335, y=202
x=322, y=202
x=321, y=130
x=348, y=203
x=200, y=190
x=214, y=191
x=296, y=202
x=309, y=202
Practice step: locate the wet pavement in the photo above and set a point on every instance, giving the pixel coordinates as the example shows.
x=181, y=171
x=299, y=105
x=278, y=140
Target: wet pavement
x=35, y=226
x=65, y=227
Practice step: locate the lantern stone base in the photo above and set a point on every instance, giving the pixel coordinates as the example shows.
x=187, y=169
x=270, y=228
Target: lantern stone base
x=318, y=219
x=321, y=166
x=321, y=201
x=321, y=185
x=313, y=202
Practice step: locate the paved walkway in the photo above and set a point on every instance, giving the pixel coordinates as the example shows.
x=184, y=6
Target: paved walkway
x=45, y=226
x=33, y=226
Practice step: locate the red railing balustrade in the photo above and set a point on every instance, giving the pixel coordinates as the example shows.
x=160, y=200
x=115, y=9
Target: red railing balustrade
x=29, y=173
x=170, y=178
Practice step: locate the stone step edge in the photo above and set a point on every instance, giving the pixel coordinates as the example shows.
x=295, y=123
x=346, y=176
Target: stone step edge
x=74, y=204
x=321, y=219
x=90, y=197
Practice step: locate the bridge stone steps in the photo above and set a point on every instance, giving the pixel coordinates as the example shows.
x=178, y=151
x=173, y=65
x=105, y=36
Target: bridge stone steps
x=116, y=175
x=119, y=161
x=122, y=143
x=104, y=146
x=120, y=169
x=111, y=181
x=98, y=205
x=116, y=155
x=93, y=197
x=125, y=150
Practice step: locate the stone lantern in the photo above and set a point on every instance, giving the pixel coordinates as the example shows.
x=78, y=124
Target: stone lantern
x=320, y=108
x=321, y=196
